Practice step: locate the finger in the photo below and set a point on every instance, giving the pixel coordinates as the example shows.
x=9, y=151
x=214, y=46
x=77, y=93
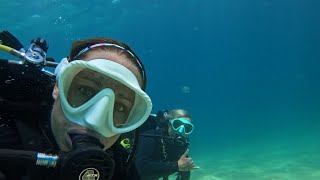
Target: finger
x=185, y=154
x=191, y=166
x=195, y=167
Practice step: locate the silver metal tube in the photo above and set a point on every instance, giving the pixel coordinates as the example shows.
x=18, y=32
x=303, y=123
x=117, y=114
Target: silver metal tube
x=47, y=160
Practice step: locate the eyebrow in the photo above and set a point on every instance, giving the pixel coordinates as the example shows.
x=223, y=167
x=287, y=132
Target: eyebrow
x=89, y=76
x=123, y=96
x=127, y=99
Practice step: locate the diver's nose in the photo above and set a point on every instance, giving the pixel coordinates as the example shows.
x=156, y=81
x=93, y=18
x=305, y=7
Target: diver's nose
x=97, y=115
x=181, y=130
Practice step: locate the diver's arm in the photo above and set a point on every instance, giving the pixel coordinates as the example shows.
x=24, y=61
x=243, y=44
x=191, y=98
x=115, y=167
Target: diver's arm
x=147, y=165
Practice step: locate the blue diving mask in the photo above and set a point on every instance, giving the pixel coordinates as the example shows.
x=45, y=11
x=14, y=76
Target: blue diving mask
x=181, y=126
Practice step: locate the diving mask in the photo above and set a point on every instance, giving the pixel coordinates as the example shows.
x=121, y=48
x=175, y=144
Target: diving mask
x=93, y=105
x=181, y=126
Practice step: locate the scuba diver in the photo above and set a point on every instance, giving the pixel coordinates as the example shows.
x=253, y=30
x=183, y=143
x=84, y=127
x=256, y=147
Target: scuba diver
x=66, y=124
x=163, y=146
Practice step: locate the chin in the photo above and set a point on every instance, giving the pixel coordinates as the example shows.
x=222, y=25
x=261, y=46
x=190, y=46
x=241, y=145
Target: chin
x=108, y=142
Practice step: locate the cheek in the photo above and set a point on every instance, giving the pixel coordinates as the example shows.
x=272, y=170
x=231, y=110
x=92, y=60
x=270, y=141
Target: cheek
x=170, y=131
x=119, y=118
x=59, y=122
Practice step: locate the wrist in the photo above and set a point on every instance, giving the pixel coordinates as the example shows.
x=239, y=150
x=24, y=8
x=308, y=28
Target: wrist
x=175, y=166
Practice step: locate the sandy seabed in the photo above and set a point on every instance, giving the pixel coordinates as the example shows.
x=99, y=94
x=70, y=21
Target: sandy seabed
x=272, y=161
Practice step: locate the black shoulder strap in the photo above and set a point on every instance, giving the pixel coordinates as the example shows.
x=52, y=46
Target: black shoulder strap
x=30, y=137
x=33, y=131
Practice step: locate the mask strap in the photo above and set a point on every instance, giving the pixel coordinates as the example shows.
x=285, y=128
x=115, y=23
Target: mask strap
x=117, y=46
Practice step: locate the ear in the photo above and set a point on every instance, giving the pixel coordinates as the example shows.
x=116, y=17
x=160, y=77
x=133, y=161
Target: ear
x=55, y=92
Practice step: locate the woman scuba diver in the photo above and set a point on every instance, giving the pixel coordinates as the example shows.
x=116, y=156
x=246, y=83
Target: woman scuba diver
x=163, y=150
x=69, y=129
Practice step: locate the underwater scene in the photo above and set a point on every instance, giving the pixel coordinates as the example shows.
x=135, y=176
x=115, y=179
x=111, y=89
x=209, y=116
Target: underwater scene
x=247, y=71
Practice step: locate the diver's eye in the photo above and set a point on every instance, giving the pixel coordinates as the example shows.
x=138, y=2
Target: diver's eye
x=120, y=108
x=86, y=91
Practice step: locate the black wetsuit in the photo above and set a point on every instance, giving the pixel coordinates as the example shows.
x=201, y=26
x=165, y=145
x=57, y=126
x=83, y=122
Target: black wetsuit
x=28, y=136
x=152, y=162
x=25, y=108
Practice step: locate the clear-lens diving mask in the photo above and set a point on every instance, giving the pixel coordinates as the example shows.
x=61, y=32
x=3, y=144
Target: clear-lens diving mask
x=88, y=94
x=181, y=126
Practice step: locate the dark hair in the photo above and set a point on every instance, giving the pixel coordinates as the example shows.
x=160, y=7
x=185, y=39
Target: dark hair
x=78, y=46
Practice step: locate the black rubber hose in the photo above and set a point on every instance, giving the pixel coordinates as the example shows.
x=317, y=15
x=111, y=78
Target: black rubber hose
x=18, y=157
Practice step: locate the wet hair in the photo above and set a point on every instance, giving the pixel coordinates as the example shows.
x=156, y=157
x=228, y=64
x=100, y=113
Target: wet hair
x=169, y=115
x=78, y=46
x=178, y=113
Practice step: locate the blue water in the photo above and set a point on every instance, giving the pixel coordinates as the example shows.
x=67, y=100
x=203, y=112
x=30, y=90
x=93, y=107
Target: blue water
x=248, y=71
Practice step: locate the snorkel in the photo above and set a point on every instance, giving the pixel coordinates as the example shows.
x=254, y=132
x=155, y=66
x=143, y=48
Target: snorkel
x=87, y=157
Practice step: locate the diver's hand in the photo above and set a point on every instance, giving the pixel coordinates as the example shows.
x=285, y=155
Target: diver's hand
x=186, y=163
x=10, y=40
